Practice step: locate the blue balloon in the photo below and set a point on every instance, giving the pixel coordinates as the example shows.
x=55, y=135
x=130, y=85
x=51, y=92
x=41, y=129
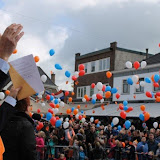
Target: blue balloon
x=56, y=101
x=36, y=94
x=82, y=111
x=52, y=52
x=114, y=90
x=112, y=125
x=97, y=125
x=141, y=117
x=127, y=124
x=156, y=77
x=51, y=98
x=58, y=123
x=119, y=127
x=108, y=88
x=57, y=66
x=48, y=116
x=125, y=108
x=93, y=101
x=144, y=125
x=67, y=74
x=72, y=109
x=125, y=103
x=130, y=81
x=147, y=80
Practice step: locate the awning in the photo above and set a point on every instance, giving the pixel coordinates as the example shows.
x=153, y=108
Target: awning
x=112, y=110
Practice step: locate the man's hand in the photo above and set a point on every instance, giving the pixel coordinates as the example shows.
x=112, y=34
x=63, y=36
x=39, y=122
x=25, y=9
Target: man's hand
x=14, y=92
x=9, y=40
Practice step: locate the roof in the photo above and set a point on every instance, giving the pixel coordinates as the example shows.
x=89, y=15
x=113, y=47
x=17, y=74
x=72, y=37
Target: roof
x=153, y=59
x=110, y=49
x=111, y=110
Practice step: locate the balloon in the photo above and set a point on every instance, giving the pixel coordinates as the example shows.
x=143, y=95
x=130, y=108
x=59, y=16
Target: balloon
x=125, y=103
x=142, y=107
x=103, y=88
x=141, y=117
x=15, y=51
x=119, y=127
x=102, y=100
x=156, y=85
x=52, y=52
x=115, y=121
x=158, y=99
x=155, y=125
x=78, y=107
x=65, y=125
x=130, y=81
x=61, y=119
x=83, y=120
x=158, y=94
x=100, y=92
x=108, y=94
x=128, y=64
x=48, y=116
x=99, y=96
x=93, y=101
x=66, y=93
x=85, y=96
x=114, y=90
x=77, y=116
x=91, y=119
x=38, y=110
x=117, y=95
x=148, y=94
x=68, y=111
x=121, y=106
x=70, y=99
x=123, y=115
x=143, y=64
x=127, y=124
x=67, y=74
x=147, y=80
x=52, y=105
x=51, y=98
x=56, y=101
x=93, y=85
x=96, y=121
x=43, y=104
x=7, y=92
x=152, y=78
x=82, y=73
x=108, y=88
x=156, y=77
x=50, y=110
x=112, y=125
x=146, y=116
x=43, y=78
x=144, y=125
x=108, y=74
x=75, y=111
x=135, y=78
x=58, y=123
x=40, y=96
x=2, y=95
x=125, y=108
x=136, y=86
x=48, y=97
x=97, y=125
x=61, y=104
x=94, y=96
x=74, y=78
x=41, y=93
x=36, y=59
x=53, y=121
x=81, y=67
x=130, y=109
x=56, y=110
x=136, y=65
x=142, y=83
x=83, y=100
x=58, y=67
x=99, y=85
x=80, y=117
x=76, y=74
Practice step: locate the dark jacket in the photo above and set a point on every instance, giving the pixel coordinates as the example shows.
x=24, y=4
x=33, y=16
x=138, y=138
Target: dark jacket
x=98, y=153
x=18, y=138
x=152, y=146
x=3, y=79
x=90, y=138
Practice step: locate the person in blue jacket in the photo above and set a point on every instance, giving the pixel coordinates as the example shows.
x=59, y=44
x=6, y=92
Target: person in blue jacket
x=142, y=149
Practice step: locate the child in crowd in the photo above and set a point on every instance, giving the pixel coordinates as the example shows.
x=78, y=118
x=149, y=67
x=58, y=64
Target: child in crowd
x=62, y=157
x=81, y=153
x=40, y=145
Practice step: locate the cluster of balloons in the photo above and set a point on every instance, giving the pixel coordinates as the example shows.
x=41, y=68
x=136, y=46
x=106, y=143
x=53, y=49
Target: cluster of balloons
x=136, y=64
x=144, y=116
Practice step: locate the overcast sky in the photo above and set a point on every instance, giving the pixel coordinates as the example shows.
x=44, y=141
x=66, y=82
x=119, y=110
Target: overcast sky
x=72, y=26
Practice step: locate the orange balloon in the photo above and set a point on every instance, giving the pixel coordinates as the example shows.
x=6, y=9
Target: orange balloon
x=73, y=93
x=78, y=106
x=30, y=114
x=84, y=116
x=86, y=96
x=146, y=116
x=96, y=121
x=158, y=99
x=93, y=111
x=68, y=111
x=57, y=106
x=41, y=115
x=142, y=107
x=36, y=59
x=123, y=144
x=152, y=78
x=7, y=92
x=15, y=51
x=108, y=94
x=108, y=74
x=70, y=99
x=75, y=111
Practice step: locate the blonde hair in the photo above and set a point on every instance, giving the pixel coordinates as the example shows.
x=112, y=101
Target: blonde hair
x=42, y=134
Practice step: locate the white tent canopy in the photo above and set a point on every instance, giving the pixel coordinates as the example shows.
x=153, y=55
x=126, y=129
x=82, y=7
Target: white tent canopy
x=111, y=110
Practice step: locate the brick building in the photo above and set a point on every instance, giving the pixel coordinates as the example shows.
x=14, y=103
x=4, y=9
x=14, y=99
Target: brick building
x=98, y=62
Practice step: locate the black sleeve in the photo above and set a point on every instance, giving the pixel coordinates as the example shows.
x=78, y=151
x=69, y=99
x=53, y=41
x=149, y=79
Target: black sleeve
x=3, y=79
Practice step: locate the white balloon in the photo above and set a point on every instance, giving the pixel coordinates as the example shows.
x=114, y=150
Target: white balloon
x=142, y=83
x=99, y=85
x=41, y=93
x=56, y=110
x=40, y=96
x=143, y=64
x=102, y=100
x=135, y=78
x=83, y=100
x=65, y=125
x=76, y=74
x=43, y=104
x=59, y=99
x=91, y=119
x=155, y=125
x=136, y=86
x=61, y=119
x=61, y=104
x=115, y=121
x=128, y=64
x=83, y=120
x=77, y=116
x=94, y=96
x=2, y=95
x=67, y=119
x=43, y=78
x=101, y=93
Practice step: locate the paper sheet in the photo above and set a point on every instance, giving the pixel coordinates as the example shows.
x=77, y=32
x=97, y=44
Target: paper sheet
x=24, y=72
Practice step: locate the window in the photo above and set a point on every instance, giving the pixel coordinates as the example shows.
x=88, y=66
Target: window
x=140, y=89
x=126, y=87
x=157, y=88
x=93, y=66
x=81, y=91
x=100, y=64
x=91, y=91
x=85, y=67
x=104, y=64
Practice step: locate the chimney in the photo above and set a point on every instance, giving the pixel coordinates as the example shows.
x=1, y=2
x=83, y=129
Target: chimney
x=146, y=53
x=113, y=45
x=53, y=78
x=77, y=55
